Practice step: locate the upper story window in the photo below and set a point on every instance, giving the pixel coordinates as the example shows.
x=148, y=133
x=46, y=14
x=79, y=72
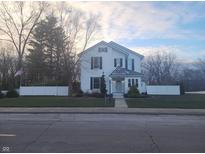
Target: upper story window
x=118, y=62
x=131, y=64
x=102, y=49
x=96, y=62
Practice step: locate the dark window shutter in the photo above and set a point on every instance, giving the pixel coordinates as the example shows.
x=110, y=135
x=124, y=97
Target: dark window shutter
x=129, y=83
x=120, y=62
x=91, y=62
x=136, y=80
x=91, y=83
x=133, y=82
x=100, y=62
x=100, y=80
x=126, y=63
x=133, y=64
x=115, y=62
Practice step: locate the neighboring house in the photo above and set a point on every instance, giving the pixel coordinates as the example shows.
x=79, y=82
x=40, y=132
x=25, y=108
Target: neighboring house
x=120, y=65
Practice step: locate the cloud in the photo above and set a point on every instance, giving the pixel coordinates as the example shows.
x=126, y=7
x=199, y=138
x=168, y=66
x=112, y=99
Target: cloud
x=143, y=20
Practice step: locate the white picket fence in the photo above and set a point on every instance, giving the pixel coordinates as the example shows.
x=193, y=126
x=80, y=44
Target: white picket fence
x=44, y=91
x=163, y=90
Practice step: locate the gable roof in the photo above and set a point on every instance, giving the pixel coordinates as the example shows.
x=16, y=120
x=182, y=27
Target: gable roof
x=123, y=72
x=99, y=43
x=120, y=47
x=115, y=46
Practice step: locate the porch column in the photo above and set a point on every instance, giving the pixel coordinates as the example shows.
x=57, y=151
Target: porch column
x=110, y=85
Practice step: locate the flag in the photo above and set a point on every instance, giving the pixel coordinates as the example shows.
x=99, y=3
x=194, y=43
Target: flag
x=19, y=72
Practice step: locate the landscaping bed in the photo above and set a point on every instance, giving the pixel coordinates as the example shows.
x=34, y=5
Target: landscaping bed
x=184, y=101
x=56, y=102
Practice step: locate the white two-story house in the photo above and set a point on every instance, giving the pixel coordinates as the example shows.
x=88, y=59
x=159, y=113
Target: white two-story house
x=120, y=65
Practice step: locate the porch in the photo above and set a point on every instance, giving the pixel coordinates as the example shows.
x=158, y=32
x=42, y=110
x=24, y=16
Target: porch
x=121, y=79
x=117, y=87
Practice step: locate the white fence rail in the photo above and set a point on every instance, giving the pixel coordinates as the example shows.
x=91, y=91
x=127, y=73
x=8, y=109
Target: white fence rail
x=195, y=92
x=44, y=91
x=163, y=90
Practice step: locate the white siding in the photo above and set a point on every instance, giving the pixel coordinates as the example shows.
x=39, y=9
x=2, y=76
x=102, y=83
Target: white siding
x=107, y=65
x=137, y=62
x=139, y=84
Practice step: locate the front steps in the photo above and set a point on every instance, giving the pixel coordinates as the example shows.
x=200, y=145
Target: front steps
x=118, y=95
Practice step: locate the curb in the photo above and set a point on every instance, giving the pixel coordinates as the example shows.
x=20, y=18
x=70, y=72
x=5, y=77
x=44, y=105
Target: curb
x=137, y=111
x=80, y=112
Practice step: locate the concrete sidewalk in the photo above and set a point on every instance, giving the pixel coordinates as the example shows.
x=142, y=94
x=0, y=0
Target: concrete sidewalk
x=120, y=103
x=102, y=110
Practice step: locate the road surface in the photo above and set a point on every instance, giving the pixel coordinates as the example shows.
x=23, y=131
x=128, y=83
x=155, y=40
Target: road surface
x=101, y=133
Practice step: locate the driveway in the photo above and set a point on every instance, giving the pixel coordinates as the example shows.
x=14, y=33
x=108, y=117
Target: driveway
x=101, y=133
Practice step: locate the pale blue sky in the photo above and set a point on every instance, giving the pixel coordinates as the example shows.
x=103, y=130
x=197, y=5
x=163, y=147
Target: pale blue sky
x=144, y=26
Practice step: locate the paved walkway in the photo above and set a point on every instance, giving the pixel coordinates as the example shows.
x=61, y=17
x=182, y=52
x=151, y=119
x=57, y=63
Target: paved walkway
x=103, y=110
x=120, y=103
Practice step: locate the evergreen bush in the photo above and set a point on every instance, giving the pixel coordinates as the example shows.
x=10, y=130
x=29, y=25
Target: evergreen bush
x=133, y=92
x=12, y=93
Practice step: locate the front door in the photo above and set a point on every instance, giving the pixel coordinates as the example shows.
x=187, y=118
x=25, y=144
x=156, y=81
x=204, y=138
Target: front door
x=118, y=86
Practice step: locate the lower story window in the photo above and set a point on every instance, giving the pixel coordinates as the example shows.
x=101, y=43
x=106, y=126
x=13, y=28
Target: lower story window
x=133, y=82
x=95, y=82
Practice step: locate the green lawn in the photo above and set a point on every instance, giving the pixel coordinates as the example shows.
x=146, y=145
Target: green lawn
x=185, y=101
x=55, y=102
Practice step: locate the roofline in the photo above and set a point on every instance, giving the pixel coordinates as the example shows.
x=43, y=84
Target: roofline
x=121, y=48
x=101, y=42
x=139, y=75
x=125, y=48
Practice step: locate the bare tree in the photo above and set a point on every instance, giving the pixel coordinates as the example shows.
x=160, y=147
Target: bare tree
x=200, y=64
x=161, y=68
x=7, y=68
x=18, y=20
x=79, y=31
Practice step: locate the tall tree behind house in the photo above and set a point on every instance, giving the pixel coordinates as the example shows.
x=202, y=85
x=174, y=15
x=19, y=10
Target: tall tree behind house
x=45, y=59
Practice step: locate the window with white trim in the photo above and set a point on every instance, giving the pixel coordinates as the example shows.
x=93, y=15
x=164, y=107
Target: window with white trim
x=95, y=82
x=118, y=62
x=96, y=62
x=133, y=82
x=102, y=49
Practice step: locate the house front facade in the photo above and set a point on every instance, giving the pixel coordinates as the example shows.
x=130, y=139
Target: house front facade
x=120, y=66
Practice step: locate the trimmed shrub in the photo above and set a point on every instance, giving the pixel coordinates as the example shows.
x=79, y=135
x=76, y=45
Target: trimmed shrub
x=182, y=91
x=97, y=95
x=103, y=85
x=133, y=92
x=78, y=94
x=76, y=91
x=12, y=93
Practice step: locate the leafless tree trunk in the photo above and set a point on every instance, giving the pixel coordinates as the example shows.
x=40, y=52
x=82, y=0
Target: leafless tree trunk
x=18, y=20
x=76, y=27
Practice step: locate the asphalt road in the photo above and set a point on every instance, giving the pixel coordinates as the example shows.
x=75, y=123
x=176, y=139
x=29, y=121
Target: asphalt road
x=101, y=133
